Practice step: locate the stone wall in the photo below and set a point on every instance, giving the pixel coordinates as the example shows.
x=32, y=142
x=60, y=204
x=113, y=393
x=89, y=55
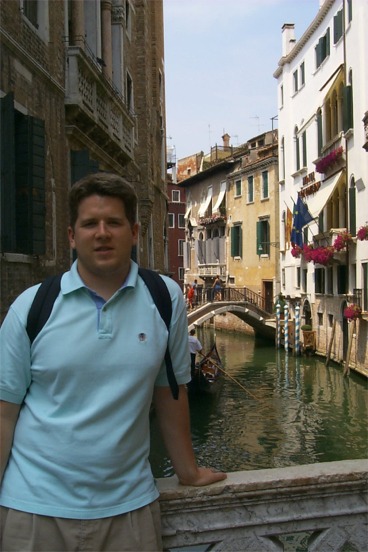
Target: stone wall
x=312, y=508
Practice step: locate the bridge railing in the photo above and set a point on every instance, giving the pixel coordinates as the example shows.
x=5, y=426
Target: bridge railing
x=206, y=295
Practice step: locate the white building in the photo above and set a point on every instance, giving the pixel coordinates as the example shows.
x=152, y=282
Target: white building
x=323, y=158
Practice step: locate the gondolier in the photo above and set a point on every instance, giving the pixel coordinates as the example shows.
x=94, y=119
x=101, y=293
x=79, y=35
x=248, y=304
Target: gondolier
x=195, y=346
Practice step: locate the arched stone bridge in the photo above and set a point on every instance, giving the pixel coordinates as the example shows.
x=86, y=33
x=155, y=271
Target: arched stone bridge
x=243, y=303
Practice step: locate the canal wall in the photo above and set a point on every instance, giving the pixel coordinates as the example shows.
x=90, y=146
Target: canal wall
x=306, y=508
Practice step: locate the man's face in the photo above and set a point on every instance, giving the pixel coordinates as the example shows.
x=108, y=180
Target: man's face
x=103, y=238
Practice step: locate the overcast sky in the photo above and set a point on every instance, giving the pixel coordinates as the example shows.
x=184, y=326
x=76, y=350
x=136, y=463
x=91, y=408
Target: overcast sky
x=220, y=56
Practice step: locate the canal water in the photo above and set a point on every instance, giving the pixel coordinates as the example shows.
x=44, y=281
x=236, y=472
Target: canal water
x=293, y=411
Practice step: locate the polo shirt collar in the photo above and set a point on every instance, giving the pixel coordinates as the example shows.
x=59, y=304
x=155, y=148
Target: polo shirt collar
x=71, y=281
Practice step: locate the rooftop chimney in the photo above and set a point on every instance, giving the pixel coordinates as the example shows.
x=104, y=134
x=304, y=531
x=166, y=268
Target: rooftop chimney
x=226, y=140
x=288, y=38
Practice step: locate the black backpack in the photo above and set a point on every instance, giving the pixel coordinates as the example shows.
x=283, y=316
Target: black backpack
x=49, y=289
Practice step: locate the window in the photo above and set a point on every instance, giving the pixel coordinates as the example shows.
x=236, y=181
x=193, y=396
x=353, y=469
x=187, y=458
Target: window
x=298, y=277
x=305, y=280
x=329, y=282
x=330, y=320
x=365, y=286
x=22, y=209
x=181, y=273
x=319, y=132
x=129, y=93
x=322, y=49
x=302, y=74
x=338, y=26
x=304, y=148
x=350, y=10
x=263, y=237
x=250, y=189
x=264, y=184
x=128, y=18
x=281, y=96
x=181, y=221
x=175, y=196
x=319, y=280
x=297, y=152
x=30, y=11
x=171, y=220
x=181, y=247
x=236, y=240
x=295, y=81
x=352, y=207
x=320, y=318
x=348, y=105
x=342, y=281
x=238, y=188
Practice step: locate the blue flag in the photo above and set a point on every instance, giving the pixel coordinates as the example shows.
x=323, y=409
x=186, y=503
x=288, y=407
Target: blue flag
x=301, y=217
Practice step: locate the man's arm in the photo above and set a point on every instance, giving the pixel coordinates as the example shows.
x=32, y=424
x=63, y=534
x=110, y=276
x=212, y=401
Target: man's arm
x=8, y=419
x=174, y=421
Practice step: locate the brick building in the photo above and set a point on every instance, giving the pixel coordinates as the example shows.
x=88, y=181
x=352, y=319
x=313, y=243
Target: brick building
x=81, y=90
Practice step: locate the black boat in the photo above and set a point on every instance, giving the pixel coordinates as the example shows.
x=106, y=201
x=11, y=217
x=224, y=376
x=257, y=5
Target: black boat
x=207, y=377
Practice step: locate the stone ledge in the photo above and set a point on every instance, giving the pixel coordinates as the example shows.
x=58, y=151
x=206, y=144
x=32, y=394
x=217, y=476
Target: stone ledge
x=326, y=501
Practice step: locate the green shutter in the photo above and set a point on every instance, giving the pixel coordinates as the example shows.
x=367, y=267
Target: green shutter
x=327, y=37
x=7, y=186
x=304, y=146
x=259, y=238
x=319, y=132
x=348, y=108
x=337, y=26
x=318, y=50
x=352, y=211
x=30, y=185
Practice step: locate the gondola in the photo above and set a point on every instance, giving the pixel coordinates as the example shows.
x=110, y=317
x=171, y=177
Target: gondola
x=208, y=374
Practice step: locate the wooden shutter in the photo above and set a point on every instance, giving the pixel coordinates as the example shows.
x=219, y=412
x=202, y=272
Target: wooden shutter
x=7, y=189
x=348, y=108
x=30, y=185
x=352, y=211
x=259, y=238
x=319, y=132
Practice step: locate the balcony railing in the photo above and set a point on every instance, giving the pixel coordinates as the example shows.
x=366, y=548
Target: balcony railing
x=212, y=269
x=95, y=107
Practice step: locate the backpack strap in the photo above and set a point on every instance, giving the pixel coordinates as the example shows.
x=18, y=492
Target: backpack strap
x=42, y=305
x=162, y=299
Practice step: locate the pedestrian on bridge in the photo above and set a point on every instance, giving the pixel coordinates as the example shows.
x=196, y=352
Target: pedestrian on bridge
x=216, y=289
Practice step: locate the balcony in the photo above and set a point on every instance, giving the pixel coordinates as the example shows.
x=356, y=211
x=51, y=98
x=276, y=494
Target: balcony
x=211, y=269
x=95, y=110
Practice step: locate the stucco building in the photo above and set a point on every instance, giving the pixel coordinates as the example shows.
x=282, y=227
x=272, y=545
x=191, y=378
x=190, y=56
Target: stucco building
x=322, y=119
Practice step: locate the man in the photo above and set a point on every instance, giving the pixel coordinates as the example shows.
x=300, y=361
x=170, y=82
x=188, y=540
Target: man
x=75, y=404
x=195, y=347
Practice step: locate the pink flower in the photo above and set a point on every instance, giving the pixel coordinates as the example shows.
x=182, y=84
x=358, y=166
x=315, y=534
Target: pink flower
x=352, y=312
x=329, y=159
x=362, y=233
x=296, y=251
x=342, y=241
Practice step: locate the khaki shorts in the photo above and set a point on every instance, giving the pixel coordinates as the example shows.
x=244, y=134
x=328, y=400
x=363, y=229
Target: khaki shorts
x=137, y=531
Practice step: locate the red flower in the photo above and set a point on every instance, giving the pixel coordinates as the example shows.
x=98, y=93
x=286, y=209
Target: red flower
x=362, y=233
x=352, y=312
x=342, y=241
x=329, y=159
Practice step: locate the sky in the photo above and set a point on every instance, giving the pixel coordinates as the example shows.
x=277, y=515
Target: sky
x=220, y=56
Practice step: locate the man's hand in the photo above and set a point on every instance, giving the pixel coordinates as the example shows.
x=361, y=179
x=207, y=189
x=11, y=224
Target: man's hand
x=204, y=476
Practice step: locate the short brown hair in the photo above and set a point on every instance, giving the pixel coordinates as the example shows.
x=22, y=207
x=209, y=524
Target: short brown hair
x=103, y=184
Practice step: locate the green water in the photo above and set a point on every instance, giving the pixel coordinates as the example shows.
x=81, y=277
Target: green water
x=293, y=411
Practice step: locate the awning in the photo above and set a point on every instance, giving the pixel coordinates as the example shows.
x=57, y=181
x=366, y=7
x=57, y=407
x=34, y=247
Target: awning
x=188, y=212
x=317, y=201
x=204, y=206
x=220, y=197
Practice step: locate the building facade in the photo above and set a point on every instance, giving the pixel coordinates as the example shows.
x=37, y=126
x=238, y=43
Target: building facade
x=81, y=90
x=323, y=99
x=232, y=220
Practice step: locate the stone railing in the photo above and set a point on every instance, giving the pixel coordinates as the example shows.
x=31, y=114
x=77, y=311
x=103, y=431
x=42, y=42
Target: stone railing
x=212, y=269
x=311, y=508
x=92, y=102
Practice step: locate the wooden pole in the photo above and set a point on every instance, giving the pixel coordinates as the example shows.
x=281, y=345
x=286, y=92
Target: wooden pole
x=330, y=344
x=347, y=361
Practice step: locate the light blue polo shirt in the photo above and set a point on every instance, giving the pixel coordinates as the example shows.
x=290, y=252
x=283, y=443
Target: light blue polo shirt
x=81, y=442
